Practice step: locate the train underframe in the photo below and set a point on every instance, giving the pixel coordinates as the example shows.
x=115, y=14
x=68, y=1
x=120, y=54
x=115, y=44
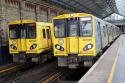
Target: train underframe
x=75, y=61
x=32, y=57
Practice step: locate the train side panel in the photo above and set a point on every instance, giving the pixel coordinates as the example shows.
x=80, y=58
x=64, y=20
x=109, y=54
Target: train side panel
x=103, y=35
x=98, y=38
x=44, y=37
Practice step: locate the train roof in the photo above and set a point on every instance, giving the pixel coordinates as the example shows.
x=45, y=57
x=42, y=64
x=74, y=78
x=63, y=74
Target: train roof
x=72, y=15
x=80, y=15
x=100, y=20
x=27, y=21
x=21, y=21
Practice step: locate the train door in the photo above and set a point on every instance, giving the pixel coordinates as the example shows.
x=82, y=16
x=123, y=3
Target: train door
x=48, y=36
x=73, y=35
x=23, y=44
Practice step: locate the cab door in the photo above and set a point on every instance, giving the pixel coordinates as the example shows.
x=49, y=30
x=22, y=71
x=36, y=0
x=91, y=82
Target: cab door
x=73, y=39
x=73, y=44
x=23, y=44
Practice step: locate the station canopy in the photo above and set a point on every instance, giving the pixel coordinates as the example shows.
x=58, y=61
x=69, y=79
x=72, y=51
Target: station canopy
x=99, y=8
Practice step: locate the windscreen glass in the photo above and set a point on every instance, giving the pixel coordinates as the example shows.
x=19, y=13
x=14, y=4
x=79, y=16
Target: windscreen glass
x=22, y=31
x=86, y=26
x=14, y=31
x=31, y=30
x=72, y=27
x=59, y=28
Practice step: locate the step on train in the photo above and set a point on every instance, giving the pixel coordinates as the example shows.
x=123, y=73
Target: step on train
x=30, y=41
x=80, y=37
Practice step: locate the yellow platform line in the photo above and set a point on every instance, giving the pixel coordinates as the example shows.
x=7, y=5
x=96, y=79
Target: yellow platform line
x=114, y=65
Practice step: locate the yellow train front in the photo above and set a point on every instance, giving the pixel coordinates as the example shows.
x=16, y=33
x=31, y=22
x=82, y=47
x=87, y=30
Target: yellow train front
x=29, y=40
x=80, y=37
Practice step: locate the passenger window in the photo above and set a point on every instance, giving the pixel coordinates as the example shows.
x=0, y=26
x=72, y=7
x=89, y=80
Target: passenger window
x=110, y=31
x=104, y=31
x=98, y=28
x=44, y=33
x=48, y=33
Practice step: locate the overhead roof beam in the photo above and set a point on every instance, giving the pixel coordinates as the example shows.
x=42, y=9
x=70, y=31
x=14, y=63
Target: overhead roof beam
x=100, y=8
x=92, y=12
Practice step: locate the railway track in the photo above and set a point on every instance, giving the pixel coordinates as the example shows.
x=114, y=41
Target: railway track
x=43, y=73
x=52, y=77
x=9, y=69
x=29, y=75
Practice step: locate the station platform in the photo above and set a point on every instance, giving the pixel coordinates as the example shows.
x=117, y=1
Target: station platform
x=110, y=67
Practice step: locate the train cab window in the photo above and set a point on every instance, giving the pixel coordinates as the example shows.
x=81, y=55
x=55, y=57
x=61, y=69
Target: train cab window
x=48, y=33
x=23, y=31
x=13, y=31
x=31, y=30
x=72, y=27
x=59, y=28
x=86, y=26
x=44, y=33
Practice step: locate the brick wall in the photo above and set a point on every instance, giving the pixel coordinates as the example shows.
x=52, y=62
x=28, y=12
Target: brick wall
x=24, y=9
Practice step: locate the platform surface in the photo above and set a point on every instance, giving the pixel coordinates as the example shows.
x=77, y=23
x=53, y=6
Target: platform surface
x=119, y=73
x=110, y=68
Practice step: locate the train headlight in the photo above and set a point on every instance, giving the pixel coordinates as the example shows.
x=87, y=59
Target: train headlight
x=33, y=46
x=58, y=47
x=13, y=46
x=88, y=47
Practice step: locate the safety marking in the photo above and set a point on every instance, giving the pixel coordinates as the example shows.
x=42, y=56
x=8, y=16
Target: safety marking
x=114, y=65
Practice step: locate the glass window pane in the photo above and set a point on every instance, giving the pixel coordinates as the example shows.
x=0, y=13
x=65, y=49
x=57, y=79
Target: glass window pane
x=31, y=30
x=23, y=31
x=13, y=31
x=72, y=27
x=104, y=31
x=86, y=26
x=48, y=33
x=59, y=28
x=44, y=34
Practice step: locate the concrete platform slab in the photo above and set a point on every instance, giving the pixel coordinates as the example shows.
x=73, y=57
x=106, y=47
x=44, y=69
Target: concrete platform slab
x=101, y=70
